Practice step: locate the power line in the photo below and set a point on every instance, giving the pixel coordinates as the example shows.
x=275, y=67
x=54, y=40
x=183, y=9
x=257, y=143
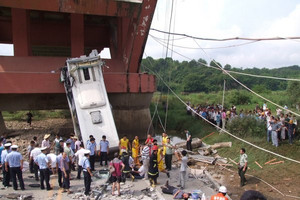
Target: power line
x=244, y=86
x=227, y=39
x=220, y=47
x=234, y=72
x=223, y=130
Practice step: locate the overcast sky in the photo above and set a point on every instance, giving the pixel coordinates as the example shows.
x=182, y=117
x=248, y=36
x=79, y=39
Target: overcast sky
x=230, y=18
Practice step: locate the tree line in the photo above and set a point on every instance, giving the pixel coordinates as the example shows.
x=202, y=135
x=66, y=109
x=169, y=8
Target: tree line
x=193, y=76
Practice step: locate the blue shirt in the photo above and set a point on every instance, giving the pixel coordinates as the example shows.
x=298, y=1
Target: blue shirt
x=42, y=161
x=58, y=159
x=1, y=149
x=91, y=146
x=104, y=145
x=14, y=159
x=3, y=155
x=85, y=163
x=72, y=143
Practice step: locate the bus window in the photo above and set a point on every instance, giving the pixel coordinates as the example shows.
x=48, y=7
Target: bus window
x=86, y=74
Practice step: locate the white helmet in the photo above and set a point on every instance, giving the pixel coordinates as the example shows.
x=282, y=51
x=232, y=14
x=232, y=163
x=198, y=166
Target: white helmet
x=223, y=189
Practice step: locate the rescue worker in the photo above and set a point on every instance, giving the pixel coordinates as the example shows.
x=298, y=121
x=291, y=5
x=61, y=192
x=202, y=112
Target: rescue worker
x=221, y=195
x=15, y=162
x=153, y=167
x=243, y=166
x=124, y=144
x=164, y=141
x=135, y=150
x=127, y=168
x=44, y=166
x=161, y=164
x=6, y=174
x=87, y=173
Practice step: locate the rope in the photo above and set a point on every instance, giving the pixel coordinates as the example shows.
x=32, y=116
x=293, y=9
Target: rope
x=264, y=98
x=227, y=39
x=240, y=73
x=223, y=130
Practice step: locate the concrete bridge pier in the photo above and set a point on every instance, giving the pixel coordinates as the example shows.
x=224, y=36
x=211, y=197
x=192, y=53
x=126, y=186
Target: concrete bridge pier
x=131, y=113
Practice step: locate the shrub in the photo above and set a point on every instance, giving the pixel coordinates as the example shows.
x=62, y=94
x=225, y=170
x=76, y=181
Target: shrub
x=239, y=97
x=247, y=126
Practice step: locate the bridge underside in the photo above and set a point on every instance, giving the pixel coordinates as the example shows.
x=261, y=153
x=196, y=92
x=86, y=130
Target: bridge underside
x=45, y=34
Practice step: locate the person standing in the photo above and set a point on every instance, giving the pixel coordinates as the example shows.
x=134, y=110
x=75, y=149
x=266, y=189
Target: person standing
x=149, y=140
x=160, y=161
x=93, y=148
x=164, y=142
x=183, y=168
x=169, y=154
x=87, y=173
x=104, y=150
x=117, y=166
x=65, y=169
x=275, y=128
x=135, y=150
x=153, y=167
x=188, y=140
x=29, y=149
x=34, y=153
x=243, y=166
x=223, y=117
x=15, y=162
x=79, y=155
x=6, y=173
x=46, y=142
x=44, y=165
x=68, y=151
x=77, y=144
x=29, y=118
x=124, y=144
x=291, y=131
x=146, y=158
x=56, y=144
x=59, y=169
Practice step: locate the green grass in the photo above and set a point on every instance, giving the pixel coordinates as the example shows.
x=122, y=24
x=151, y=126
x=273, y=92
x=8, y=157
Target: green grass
x=254, y=154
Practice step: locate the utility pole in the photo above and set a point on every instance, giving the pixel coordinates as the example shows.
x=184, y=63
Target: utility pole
x=223, y=94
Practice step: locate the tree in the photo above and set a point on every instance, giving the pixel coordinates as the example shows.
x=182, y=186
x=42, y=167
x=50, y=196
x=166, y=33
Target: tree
x=293, y=91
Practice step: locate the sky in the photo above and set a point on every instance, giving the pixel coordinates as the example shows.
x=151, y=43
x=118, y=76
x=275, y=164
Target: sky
x=226, y=19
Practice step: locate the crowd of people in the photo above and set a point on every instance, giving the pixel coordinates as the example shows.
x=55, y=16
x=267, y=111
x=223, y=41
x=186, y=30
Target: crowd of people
x=134, y=160
x=280, y=125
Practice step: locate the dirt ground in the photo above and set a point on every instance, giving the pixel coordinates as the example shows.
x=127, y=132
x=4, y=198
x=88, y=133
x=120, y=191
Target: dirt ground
x=286, y=180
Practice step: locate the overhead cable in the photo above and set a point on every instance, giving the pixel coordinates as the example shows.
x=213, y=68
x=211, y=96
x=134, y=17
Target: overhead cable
x=227, y=39
x=229, y=71
x=223, y=130
x=262, y=97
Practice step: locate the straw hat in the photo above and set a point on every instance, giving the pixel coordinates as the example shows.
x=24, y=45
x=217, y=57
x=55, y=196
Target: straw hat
x=47, y=136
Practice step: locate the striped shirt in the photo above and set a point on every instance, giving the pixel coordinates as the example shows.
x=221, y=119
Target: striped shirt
x=146, y=152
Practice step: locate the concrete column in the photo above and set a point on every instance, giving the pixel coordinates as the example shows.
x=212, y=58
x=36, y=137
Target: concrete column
x=131, y=113
x=2, y=124
x=77, y=35
x=21, y=32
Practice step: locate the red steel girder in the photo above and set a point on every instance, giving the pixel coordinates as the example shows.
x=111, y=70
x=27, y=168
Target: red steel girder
x=91, y=7
x=137, y=36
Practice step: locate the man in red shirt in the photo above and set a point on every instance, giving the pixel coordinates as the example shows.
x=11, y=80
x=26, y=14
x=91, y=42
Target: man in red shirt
x=149, y=140
x=221, y=195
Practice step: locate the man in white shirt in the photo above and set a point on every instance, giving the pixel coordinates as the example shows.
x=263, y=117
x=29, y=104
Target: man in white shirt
x=79, y=155
x=183, y=168
x=33, y=154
